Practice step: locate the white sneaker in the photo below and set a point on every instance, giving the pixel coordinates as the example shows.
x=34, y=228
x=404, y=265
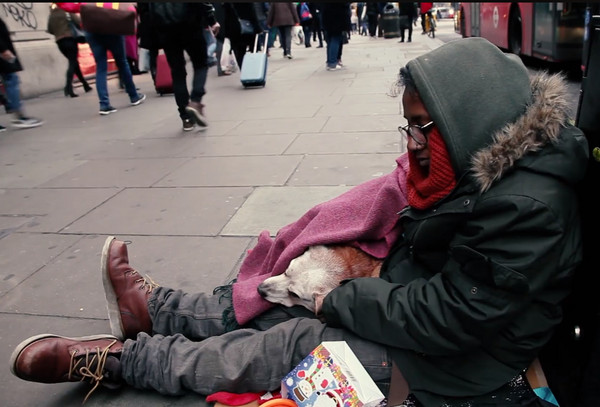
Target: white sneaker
x=26, y=122
x=337, y=68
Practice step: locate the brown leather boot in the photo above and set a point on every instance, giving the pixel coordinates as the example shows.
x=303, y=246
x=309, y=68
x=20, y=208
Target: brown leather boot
x=51, y=358
x=126, y=292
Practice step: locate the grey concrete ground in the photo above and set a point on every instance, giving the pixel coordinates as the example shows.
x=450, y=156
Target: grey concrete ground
x=192, y=203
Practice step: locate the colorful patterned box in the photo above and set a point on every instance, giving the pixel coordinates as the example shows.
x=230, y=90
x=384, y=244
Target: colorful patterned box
x=331, y=376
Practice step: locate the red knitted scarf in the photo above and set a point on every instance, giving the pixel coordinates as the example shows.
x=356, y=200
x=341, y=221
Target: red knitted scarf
x=426, y=190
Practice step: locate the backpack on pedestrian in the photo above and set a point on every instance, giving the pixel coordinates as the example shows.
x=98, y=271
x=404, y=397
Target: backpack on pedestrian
x=305, y=14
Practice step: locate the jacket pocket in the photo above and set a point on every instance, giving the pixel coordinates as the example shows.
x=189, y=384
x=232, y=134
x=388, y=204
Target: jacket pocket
x=482, y=268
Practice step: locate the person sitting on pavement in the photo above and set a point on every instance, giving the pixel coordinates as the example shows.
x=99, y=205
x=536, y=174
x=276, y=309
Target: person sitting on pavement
x=9, y=66
x=474, y=283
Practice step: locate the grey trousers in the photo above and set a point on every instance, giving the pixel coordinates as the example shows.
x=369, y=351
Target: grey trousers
x=190, y=350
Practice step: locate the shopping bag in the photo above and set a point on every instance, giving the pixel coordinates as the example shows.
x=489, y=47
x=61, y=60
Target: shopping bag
x=144, y=60
x=108, y=18
x=331, y=375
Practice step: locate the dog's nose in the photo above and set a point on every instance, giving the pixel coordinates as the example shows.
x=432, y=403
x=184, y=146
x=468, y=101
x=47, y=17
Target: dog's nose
x=261, y=291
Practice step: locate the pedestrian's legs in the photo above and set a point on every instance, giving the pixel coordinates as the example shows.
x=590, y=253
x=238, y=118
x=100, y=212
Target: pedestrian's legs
x=282, y=39
x=244, y=360
x=272, y=36
x=307, y=33
x=288, y=39
x=68, y=47
x=197, y=54
x=96, y=42
x=333, y=49
x=372, y=24
x=423, y=22
x=13, y=93
x=117, y=48
x=176, y=60
x=410, y=30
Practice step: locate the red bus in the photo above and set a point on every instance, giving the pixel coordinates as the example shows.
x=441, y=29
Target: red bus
x=548, y=31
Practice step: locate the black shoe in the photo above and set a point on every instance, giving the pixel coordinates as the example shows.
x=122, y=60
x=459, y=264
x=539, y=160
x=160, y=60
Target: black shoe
x=69, y=92
x=138, y=100
x=2, y=128
x=87, y=88
x=107, y=110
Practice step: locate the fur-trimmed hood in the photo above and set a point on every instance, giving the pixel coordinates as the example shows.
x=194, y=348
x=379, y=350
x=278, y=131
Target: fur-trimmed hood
x=539, y=126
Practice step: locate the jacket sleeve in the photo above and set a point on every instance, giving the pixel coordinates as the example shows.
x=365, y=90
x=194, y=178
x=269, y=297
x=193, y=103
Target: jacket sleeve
x=294, y=14
x=501, y=259
x=208, y=13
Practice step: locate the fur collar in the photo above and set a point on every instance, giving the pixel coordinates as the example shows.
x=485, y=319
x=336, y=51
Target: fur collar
x=539, y=126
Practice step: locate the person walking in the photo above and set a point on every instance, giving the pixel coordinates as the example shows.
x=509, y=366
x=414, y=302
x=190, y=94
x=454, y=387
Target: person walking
x=336, y=23
x=317, y=28
x=407, y=14
x=100, y=44
x=241, y=42
x=283, y=15
x=306, y=21
x=9, y=66
x=58, y=26
x=425, y=10
x=372, y=13
x=180, y=28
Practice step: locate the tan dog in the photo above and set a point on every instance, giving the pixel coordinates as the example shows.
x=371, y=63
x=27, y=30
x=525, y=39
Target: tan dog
x=312, y=275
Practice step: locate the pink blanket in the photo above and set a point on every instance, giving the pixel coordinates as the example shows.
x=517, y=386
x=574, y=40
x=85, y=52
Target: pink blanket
x=365, y=216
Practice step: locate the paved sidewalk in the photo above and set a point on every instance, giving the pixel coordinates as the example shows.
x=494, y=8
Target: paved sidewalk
x=192, y=203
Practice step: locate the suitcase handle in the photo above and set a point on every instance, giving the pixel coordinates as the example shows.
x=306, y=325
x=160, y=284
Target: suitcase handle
x=266, y=33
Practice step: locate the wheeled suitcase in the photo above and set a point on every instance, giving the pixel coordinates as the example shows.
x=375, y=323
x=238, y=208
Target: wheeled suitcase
x=254, y=66
x=163, y=81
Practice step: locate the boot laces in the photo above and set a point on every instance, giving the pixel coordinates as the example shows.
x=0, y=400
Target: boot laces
x=90, y=367
x=146, y=283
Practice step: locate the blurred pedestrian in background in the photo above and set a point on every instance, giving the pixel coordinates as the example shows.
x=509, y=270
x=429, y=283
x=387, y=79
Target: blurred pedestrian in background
x=180, y=28
x=241, y=42
x=336, y=22
x=372, y=11
x=317, y=28
x=9, y=66
x=407, y=13
x=100, y=44
x=306, y=21
x=283, y=16
x=424, y=9
x=58, y=26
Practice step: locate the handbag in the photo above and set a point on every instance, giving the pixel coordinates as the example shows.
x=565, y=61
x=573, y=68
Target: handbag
x=109, y=18
x=77, y=32
x=246, y=26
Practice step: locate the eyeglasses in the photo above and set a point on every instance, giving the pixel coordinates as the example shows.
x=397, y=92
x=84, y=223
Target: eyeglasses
x=416, y=132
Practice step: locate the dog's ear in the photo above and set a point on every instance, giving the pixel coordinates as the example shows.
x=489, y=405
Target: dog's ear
x=318, y=303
